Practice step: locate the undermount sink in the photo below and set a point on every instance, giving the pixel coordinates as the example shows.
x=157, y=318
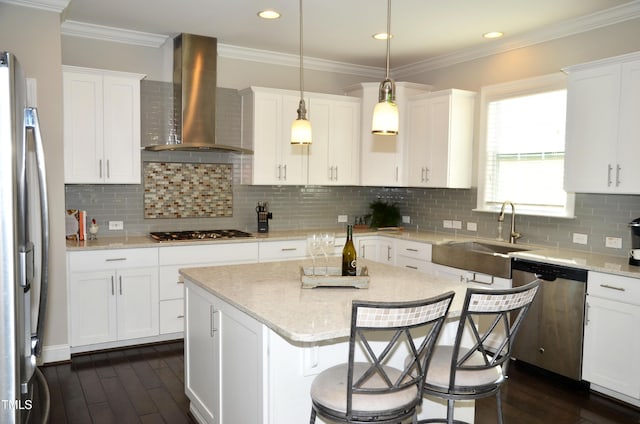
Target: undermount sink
x=485, y=257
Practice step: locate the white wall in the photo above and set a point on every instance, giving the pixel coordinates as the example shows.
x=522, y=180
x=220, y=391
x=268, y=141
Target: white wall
x=33, y=36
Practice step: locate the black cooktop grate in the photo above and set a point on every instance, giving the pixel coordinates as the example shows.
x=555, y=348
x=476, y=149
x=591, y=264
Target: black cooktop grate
x=198, y=235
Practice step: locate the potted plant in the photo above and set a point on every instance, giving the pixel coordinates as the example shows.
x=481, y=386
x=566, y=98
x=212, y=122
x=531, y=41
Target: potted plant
x=384, y=214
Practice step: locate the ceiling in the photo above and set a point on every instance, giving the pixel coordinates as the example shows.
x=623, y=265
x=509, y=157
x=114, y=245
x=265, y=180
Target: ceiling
x=341, y=30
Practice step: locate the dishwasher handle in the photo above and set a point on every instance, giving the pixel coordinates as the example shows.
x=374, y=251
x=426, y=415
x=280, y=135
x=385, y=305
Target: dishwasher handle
x=546, y=277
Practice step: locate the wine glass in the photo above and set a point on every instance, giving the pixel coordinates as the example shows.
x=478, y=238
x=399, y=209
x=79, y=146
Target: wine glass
x=327, y=242
x=314, y=248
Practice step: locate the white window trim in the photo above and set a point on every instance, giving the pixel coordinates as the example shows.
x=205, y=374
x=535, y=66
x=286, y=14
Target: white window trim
x=555, y=81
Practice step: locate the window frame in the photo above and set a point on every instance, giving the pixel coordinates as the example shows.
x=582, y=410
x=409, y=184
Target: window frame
x=490, y=93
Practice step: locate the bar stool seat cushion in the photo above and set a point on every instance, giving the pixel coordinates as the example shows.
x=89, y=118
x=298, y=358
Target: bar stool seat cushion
x=330, y=390
x=439, y=371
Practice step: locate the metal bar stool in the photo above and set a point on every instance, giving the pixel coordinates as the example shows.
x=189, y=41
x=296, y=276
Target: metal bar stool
x=370, y=390
x=457, y=372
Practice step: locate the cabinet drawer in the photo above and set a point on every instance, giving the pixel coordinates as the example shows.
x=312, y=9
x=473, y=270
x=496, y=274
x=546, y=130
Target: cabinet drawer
x=205, y=253
x=171, y=283
x=614, y=287
x=282, y=250
x=412, y=249
x=112, y=259
x=171, y=316
x=412, y=263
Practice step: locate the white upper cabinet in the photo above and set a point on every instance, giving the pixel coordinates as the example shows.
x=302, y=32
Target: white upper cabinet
x=440, y=139
x=603, y=129
x=267, y=116
x=334, y=153
x=331, y=159
x=101, y=126
x=382, y=157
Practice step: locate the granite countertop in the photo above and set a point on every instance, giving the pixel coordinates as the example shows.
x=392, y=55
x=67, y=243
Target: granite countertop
x=272, y=293
x=574, y=258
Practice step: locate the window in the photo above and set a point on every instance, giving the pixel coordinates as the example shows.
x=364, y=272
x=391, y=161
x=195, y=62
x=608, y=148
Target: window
x=522, y=147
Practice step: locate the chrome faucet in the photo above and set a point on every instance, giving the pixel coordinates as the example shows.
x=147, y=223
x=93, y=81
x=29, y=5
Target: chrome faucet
x=513, y=235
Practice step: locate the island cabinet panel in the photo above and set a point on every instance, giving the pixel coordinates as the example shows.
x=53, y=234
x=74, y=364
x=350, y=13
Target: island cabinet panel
x=224, y=354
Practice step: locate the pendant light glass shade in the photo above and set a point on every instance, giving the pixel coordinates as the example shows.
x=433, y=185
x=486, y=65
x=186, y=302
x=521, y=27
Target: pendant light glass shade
x=301, y=127
x=386, y=118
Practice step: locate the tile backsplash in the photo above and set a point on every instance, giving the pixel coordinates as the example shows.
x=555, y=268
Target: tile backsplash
x=187, y=190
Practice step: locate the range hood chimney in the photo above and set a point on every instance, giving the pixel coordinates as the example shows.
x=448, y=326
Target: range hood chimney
x=194, y=85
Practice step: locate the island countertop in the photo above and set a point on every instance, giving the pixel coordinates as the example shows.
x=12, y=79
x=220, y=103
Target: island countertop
x=272, y=294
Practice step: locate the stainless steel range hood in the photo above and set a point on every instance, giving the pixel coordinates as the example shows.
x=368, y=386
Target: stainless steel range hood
x=194, y=81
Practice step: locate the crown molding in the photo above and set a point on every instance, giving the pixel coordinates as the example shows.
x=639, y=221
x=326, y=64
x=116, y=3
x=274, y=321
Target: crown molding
x=285, y=59
x=118, y=35
x=48, y=5
x=566, y=28
x=562, y=29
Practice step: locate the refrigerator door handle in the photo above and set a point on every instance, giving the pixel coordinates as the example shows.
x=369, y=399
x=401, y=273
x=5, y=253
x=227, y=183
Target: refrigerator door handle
x=32, y=123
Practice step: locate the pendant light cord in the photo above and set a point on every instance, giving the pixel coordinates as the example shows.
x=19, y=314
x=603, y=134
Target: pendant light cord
x=388, y=34
x=301, y=76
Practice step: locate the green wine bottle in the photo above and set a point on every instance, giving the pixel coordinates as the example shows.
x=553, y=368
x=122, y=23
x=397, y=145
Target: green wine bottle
x=349, y=255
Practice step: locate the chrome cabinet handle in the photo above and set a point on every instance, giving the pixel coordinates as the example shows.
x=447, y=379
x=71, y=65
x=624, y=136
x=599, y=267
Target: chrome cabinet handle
x=100, y=167
x=180, y=316
x=336, y=178
x=108, y=169
x=115, y=259
x=279, y=177
x=212, y=313
x=285, y=172
x=411, y=267
x=331, y=173
x=388, y=253
x=288, y=249
x=410, y=249
x=618, y=168
x=607, y=286
x=113, y=290
x=609, y=169
x=397, y=172
x=586, y=314
x=120, y=278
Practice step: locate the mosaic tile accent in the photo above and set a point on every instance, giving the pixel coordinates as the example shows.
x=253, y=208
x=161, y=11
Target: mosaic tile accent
x=188, y=190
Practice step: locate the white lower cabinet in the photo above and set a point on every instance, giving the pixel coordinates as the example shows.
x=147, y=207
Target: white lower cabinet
x=282, y=250
x=413, y=255
x=374, y=248
x=113, y=295
x=611, y=346
x=172, y=258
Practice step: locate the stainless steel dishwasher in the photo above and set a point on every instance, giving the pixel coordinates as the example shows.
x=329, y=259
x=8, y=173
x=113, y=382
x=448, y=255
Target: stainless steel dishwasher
x=551, y=334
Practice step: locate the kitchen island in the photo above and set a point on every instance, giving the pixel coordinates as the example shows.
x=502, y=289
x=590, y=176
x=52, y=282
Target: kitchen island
x=255, y=339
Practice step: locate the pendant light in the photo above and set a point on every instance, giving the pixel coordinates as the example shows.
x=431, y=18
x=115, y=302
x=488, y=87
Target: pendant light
x=385, y=114
x=301, y=127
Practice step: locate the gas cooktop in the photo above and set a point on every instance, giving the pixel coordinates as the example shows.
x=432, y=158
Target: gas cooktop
x=198, y=235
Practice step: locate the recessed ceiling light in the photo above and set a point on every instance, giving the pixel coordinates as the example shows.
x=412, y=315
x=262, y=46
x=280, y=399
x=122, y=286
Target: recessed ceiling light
x=493, y=34
x=269, y=14
x=381, y=36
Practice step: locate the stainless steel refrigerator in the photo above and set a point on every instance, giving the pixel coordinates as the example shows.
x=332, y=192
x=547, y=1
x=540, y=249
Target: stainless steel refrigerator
x=24, y=252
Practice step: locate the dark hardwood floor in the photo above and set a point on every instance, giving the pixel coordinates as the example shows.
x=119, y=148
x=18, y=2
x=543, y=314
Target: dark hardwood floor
x=532, y=396
x=136, y=385
x=146, y=385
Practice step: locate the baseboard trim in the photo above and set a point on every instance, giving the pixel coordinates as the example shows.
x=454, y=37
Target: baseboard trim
x=55, y=353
